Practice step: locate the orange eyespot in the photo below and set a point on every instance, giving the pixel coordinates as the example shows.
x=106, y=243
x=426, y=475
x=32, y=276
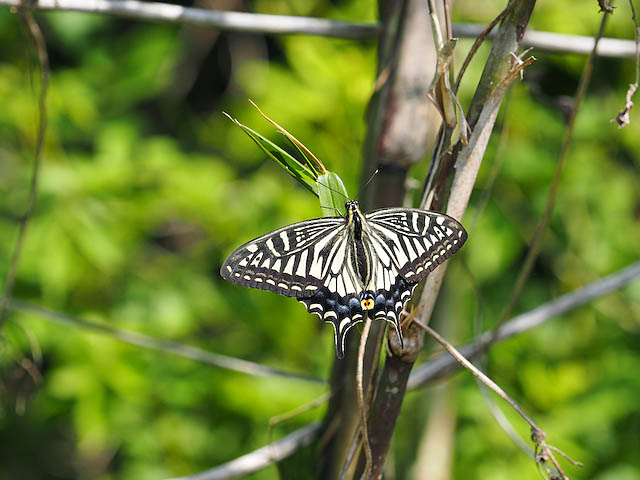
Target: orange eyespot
x=367, y=303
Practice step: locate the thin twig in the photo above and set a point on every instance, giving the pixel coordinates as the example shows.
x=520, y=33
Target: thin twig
x=260, y=458
x=558, y=42
x=435, y=24
x=41, y=48
x=168, y=346
x=605, y=6
x=498, y=415
x=287, y=25
x=355, y=444
x=440, y=366
x=352, y=454
x=637, y=32
x=283, y=417
x=361, y=400
x=536, y=240
x=498, y=160
x=623, y=119
x=472, y=368
x=446, y=4
x=479, y=41
x=538, y=434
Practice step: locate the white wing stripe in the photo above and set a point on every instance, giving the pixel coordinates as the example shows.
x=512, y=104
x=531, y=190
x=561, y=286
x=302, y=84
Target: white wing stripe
x=289, y=268
x=302, y=265
x=285, y=240
x=269, y=244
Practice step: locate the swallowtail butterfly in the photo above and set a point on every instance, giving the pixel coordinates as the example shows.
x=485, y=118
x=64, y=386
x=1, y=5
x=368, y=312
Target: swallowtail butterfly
x=343, y=268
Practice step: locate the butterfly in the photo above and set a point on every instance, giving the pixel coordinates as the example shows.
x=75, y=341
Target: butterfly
x=345, y=267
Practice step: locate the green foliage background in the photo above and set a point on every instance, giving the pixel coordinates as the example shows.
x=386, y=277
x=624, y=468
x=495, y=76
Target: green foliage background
x=146, y=187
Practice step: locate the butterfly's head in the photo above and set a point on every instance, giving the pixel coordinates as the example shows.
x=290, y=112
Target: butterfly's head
x=351, y=206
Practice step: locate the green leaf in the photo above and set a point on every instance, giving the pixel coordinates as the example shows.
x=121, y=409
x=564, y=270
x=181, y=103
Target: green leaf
x=332, y=194
x=311, y=165
x=298, y=170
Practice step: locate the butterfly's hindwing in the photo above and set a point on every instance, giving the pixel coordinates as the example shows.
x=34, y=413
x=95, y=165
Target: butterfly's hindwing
x=345, y=312
x=290, y=261
x=416, y=240
x=389, y=304
x=342, y=312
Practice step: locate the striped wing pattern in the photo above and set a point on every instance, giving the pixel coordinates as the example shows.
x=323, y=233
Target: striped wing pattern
x=290, y=261
x=417, y=240
x=316, y=262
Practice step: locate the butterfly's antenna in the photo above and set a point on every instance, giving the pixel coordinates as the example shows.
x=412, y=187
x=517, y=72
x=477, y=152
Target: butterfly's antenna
x=368, y=182
x=333, y=190
x=333, y=208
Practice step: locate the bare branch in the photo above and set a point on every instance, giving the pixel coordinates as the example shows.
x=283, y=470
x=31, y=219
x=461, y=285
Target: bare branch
x=260, y=458
x=623, y=119
x=168, y=346
x=479, y=40
x=558, y=42
x=541, y=227
x=605, y=7
x=286, y=25
x=41, y=48
x=462, y=360
x=444, y=364
x=362, y=405
x=538, y=435
x=224, y=20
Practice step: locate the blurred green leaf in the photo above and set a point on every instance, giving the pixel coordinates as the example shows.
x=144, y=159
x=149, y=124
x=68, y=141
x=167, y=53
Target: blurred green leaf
x=301, y=172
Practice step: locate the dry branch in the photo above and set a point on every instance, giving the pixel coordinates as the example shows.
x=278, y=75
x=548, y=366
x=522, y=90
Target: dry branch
x=258, y=459
x=224, y=20
x=496, y=78
x=541, y=227
x=43, y=58
x=559, y=42
x=167, y=346
x=623, y=119
x=443, y=365
x=286, y=25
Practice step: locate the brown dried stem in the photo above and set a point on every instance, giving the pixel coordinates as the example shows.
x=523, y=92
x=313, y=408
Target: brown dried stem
x=479, y=40
x=362, y=404
x=623, y=119
x=537, y=434
x=536, y=240
x=43, y=58
x=161, y=345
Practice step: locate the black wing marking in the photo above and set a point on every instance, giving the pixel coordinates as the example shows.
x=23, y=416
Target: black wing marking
x=417, y=241
x=346, y=311
x=290, y=261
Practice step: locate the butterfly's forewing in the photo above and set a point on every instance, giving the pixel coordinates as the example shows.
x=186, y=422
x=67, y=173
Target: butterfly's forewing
x=307, y=260
x=416, y=240
x=287, y=261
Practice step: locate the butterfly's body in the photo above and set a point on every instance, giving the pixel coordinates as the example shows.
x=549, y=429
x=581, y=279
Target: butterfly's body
x=342, y=268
